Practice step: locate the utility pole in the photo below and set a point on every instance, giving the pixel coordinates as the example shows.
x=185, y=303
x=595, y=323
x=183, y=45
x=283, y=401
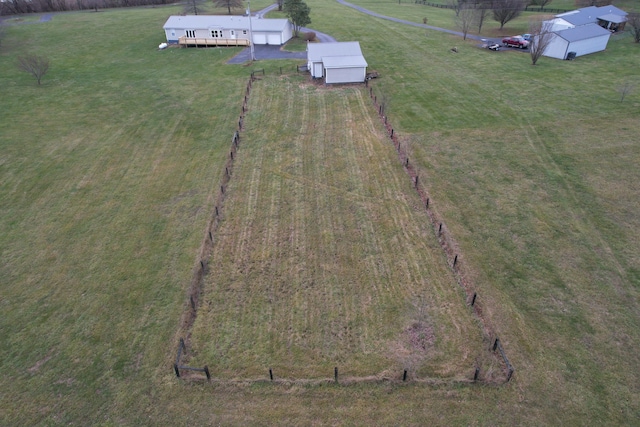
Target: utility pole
x=253, y=55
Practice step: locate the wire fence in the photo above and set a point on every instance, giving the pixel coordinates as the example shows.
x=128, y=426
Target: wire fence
x=448, y=244
x=529, y=8
x=444, y=237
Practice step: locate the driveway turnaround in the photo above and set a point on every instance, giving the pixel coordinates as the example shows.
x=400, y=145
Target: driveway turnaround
x=274, y=52
x=262, y=51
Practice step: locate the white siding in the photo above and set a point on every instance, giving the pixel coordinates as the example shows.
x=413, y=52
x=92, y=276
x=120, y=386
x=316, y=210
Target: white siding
x=585, y=47
x=557, y=48
x=345, y=75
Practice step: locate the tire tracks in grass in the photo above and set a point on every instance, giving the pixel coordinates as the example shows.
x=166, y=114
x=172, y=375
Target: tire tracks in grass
x=336, y=308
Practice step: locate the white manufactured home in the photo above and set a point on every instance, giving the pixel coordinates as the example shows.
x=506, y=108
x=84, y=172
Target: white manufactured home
x=340, y=62
x=223, y=30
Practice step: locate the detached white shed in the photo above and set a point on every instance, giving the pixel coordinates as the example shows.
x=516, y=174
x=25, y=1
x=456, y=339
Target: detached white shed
x=582, y=40
x=340, y=62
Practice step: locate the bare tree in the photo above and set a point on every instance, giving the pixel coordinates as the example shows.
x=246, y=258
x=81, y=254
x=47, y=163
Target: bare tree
x=193, y=7
x=280, y=4
x=625, y=89
x=633, y=21
x=506, y=10
x=229, y=4
x=480, y=14
x=541, y=35
x=458, y=5
x=35, y=65
x=3, y=31
x=464, y=20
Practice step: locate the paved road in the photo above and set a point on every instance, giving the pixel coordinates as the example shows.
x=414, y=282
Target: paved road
x=402, y=21
x=274, y=52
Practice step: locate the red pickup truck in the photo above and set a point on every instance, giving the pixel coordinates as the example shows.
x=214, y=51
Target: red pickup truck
x=515, y=41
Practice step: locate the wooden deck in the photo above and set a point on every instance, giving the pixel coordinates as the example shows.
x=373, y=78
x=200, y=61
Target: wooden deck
x=184, y=41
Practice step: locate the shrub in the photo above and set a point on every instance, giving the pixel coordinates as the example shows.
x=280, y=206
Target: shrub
x=310, y=36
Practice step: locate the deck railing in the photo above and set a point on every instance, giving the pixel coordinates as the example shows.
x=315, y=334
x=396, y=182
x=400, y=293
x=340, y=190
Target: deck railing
x=201, y=41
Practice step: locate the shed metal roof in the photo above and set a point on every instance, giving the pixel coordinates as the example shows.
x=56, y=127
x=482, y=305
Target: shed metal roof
x=317, y=51
x=354, y=61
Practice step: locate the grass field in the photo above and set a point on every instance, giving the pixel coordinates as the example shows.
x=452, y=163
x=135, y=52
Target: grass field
x=109, y=171
x=325, y=254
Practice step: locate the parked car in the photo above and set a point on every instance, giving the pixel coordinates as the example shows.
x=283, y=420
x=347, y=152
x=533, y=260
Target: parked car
x=515, y=41
x=527, y=37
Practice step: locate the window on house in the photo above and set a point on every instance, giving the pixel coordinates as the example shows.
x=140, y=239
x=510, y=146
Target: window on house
x=191, y=33
x=216, y=33
x=244, y=32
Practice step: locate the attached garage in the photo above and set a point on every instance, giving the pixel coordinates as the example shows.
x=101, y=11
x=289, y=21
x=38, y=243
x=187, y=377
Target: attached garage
x=340, y=62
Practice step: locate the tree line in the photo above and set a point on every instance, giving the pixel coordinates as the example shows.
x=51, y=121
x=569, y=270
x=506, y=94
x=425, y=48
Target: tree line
x=14, y=7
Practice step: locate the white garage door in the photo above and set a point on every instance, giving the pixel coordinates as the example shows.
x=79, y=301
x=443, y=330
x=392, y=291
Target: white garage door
x=259, y=38
x=273, y=39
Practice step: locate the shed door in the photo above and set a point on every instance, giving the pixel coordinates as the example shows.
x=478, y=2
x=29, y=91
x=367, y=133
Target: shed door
x=317, y=69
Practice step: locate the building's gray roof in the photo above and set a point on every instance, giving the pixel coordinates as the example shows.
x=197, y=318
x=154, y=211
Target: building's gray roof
x=236, y=22
x=611, y=17
x=591, y=14
x=611, y=9
x=586, y=15
x=350, y=61
x=317, y=51
x=583, y=32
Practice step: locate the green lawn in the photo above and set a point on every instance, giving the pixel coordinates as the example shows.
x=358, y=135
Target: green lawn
x=322, y=257
x=109, y=172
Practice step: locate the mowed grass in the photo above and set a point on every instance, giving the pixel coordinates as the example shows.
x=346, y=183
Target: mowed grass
x=107, y=173
x=108, y=169
x=325, y=256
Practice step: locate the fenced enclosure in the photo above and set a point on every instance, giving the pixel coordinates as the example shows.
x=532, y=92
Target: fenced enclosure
x=324, y=259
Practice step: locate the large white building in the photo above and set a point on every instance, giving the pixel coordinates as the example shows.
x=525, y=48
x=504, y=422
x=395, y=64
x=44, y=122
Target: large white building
x=583, y=31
